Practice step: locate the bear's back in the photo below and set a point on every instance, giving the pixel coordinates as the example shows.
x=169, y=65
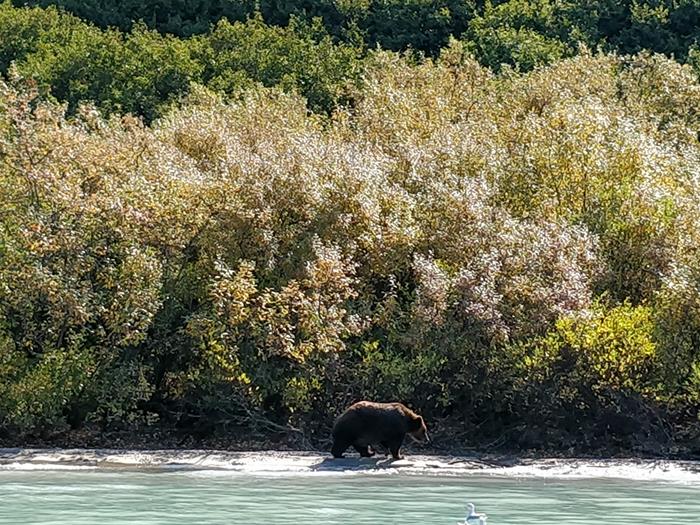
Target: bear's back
x=375, y=420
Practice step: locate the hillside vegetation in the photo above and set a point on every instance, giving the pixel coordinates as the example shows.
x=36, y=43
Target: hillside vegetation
x=513, y=253
x=514, y=30
x=145, y=73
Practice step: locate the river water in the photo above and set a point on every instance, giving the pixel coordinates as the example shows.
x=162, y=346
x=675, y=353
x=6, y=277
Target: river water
x=195, y=487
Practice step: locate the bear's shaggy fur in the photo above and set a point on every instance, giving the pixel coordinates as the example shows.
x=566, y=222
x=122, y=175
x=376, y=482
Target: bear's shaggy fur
x=366, y=423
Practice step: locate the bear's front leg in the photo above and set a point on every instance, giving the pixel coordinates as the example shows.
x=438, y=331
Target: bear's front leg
x=395, y=448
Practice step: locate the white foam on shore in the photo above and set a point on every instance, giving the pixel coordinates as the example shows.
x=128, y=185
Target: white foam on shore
x=297, y=464
x=638, y=470
x=23, y=466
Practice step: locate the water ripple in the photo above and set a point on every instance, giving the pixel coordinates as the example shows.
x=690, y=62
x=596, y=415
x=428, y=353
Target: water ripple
x=298, y=496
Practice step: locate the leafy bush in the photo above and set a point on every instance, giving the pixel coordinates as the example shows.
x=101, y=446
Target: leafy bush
x=526, y=32
x=298, y=57
x=522, y=33
x=676, y=307
x=604, y=349
x=144, y=73
x=420, y=24
x=74, y=62
x=595, y=371
x=484, y=247
x=179, y=18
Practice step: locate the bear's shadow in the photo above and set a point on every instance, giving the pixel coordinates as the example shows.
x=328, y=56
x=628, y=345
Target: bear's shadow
x=358, y=463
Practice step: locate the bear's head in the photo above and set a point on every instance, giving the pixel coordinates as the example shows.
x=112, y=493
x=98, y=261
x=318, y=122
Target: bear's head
x=417, y=430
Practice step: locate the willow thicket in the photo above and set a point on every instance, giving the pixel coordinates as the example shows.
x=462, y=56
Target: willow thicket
x=515, y=255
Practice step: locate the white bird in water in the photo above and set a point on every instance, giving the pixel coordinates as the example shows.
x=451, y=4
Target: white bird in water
x=472, y=517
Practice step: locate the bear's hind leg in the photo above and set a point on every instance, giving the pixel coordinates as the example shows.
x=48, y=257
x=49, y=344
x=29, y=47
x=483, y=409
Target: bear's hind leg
x=385, y=446
x=338, y=449
x=364, y=451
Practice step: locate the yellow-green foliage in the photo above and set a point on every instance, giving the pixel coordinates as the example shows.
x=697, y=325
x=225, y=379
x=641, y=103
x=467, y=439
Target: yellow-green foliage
x=604, y=348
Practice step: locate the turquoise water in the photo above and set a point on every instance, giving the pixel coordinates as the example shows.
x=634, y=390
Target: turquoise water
x=77, y=494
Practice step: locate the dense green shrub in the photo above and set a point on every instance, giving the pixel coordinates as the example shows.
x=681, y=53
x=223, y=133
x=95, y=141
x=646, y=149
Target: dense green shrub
x=298, y=57
x=425, y=25
x=521, y=32
x=139, y=73
x=393, y=24
x=144, y=73
x=530, y=32
x=37, y=394
x=167, y=16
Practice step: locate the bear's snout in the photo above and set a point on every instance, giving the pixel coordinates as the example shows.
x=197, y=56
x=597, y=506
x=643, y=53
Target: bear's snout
x=420, y=437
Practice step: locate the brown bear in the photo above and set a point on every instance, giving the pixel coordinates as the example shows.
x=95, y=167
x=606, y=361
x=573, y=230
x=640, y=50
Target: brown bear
x=366, y=423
